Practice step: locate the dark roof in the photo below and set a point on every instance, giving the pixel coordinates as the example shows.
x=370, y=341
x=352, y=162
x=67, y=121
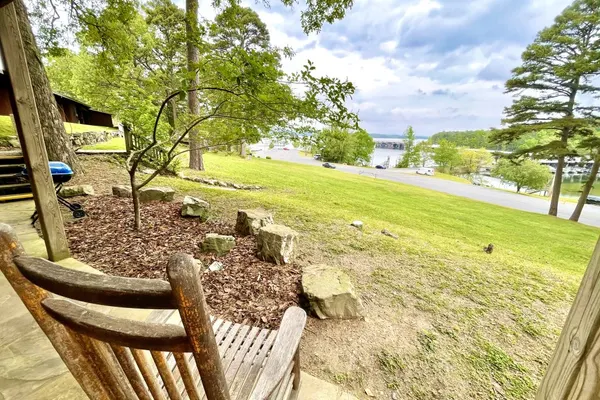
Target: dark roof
x=74, y=100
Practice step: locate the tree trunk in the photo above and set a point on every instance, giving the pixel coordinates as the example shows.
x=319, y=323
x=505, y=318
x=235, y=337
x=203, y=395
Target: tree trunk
x=193, y=58
x=518, y=189
x=587, y=188
x=58, y=143
x=243, y=149
x=556, y=186
x=135, y=197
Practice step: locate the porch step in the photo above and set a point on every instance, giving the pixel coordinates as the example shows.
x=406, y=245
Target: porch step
x=14, y=197
x=13, y=186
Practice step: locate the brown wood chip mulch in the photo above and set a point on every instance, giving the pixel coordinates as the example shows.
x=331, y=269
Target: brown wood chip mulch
x=247, y=290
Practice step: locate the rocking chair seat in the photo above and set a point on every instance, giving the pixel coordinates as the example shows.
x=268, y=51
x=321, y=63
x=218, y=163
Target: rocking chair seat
x=244, y=350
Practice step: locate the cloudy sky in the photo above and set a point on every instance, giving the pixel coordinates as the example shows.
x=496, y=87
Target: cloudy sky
x=433, y=64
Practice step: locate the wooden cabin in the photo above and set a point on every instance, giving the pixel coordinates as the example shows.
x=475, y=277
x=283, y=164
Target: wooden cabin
x=71, y=109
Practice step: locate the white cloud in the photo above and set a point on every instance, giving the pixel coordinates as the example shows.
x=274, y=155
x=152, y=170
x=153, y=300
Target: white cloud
x=388, y=46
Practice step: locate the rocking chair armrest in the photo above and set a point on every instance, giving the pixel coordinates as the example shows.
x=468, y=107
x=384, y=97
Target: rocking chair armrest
x=282, y=354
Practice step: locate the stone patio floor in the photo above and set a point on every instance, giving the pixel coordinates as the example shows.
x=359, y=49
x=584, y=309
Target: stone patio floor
x=30, y=368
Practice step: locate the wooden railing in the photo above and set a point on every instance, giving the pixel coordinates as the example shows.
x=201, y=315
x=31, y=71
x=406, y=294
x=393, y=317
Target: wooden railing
x=156, y=156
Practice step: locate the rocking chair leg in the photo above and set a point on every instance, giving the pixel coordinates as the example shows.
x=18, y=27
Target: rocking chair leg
x=296, y=370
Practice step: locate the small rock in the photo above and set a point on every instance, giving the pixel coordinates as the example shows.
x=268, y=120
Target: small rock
x=215, y=266
x=222, y=184
x=156, y=194
x=79, y=190
x=210, y=182
x=390, y=234
x=395, y=396
x=218, y=244
x=236, y=186
x=193, y=207
x=277, y=243
x=249, y=222
x=147, y=171
x=357, y=224
x=121, y=191
x=369, y=392
x=14, y=142
x=330, y=293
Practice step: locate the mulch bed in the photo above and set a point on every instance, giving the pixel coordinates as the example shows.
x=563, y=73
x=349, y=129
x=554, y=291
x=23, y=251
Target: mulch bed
x=247, y=290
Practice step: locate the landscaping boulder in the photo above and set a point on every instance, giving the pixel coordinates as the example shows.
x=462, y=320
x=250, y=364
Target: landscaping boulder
x=121, y=191
x=277, y=243
x=156, y=194
x=78, y=190
x=218, y=244
x=330, y=293
x=249, y=222
x=193, y=207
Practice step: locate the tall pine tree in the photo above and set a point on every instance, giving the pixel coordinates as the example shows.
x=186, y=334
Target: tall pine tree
x=555, y=85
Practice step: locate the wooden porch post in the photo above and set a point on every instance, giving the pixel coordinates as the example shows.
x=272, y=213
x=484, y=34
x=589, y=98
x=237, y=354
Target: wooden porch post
x=573, y=369
x=30, y=135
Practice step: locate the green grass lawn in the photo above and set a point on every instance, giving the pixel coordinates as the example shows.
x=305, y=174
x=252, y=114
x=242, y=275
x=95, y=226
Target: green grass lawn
x=117, y=143
x=445, y=319
x=7, y=129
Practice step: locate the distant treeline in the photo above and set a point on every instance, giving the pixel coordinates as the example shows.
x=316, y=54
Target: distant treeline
x=474, y=140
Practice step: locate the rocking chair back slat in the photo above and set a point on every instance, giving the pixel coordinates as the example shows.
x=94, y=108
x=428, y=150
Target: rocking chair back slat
x=119, y=331
x=149, y=376
x=166, y=375
x=127, y=364
x=186, y=375
x=95, y=288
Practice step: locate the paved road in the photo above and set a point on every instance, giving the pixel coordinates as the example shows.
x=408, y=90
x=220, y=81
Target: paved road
x=590, y=215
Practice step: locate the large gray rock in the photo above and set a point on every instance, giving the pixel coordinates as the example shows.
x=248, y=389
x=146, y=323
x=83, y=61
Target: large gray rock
x=121, y=191
x=218, y=244
x=193, y=207
x=249, y=222
x=78, y=190
x=330, y=293
x=277, y=243
x=156, y=194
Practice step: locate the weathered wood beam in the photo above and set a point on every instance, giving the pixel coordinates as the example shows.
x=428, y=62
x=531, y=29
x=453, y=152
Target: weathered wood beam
x=30, y=134
x=573, y=369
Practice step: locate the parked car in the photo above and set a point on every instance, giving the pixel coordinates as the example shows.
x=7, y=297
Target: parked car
x=593, y=200
x=328, y=165
x=317, y=156
x=425, y=171
x=380, y=167
x=286, y=148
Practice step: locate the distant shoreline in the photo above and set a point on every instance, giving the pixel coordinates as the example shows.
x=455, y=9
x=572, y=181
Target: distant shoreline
x=382, y=136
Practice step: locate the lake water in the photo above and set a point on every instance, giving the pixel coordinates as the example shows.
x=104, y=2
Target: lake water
x=380, y=156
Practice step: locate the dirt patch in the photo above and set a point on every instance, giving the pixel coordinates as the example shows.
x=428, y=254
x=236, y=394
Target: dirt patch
x=246, y=290
x=102, y=172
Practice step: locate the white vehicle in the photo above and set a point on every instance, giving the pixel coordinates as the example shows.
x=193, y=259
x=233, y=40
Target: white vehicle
x=425, y=171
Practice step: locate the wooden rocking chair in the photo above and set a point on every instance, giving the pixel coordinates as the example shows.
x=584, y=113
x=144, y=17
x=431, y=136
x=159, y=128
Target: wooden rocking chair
x=206, y=358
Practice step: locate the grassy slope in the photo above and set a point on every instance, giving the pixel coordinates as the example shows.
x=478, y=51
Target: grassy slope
x=6, y=128
x=493, y=318
x=117, y=143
